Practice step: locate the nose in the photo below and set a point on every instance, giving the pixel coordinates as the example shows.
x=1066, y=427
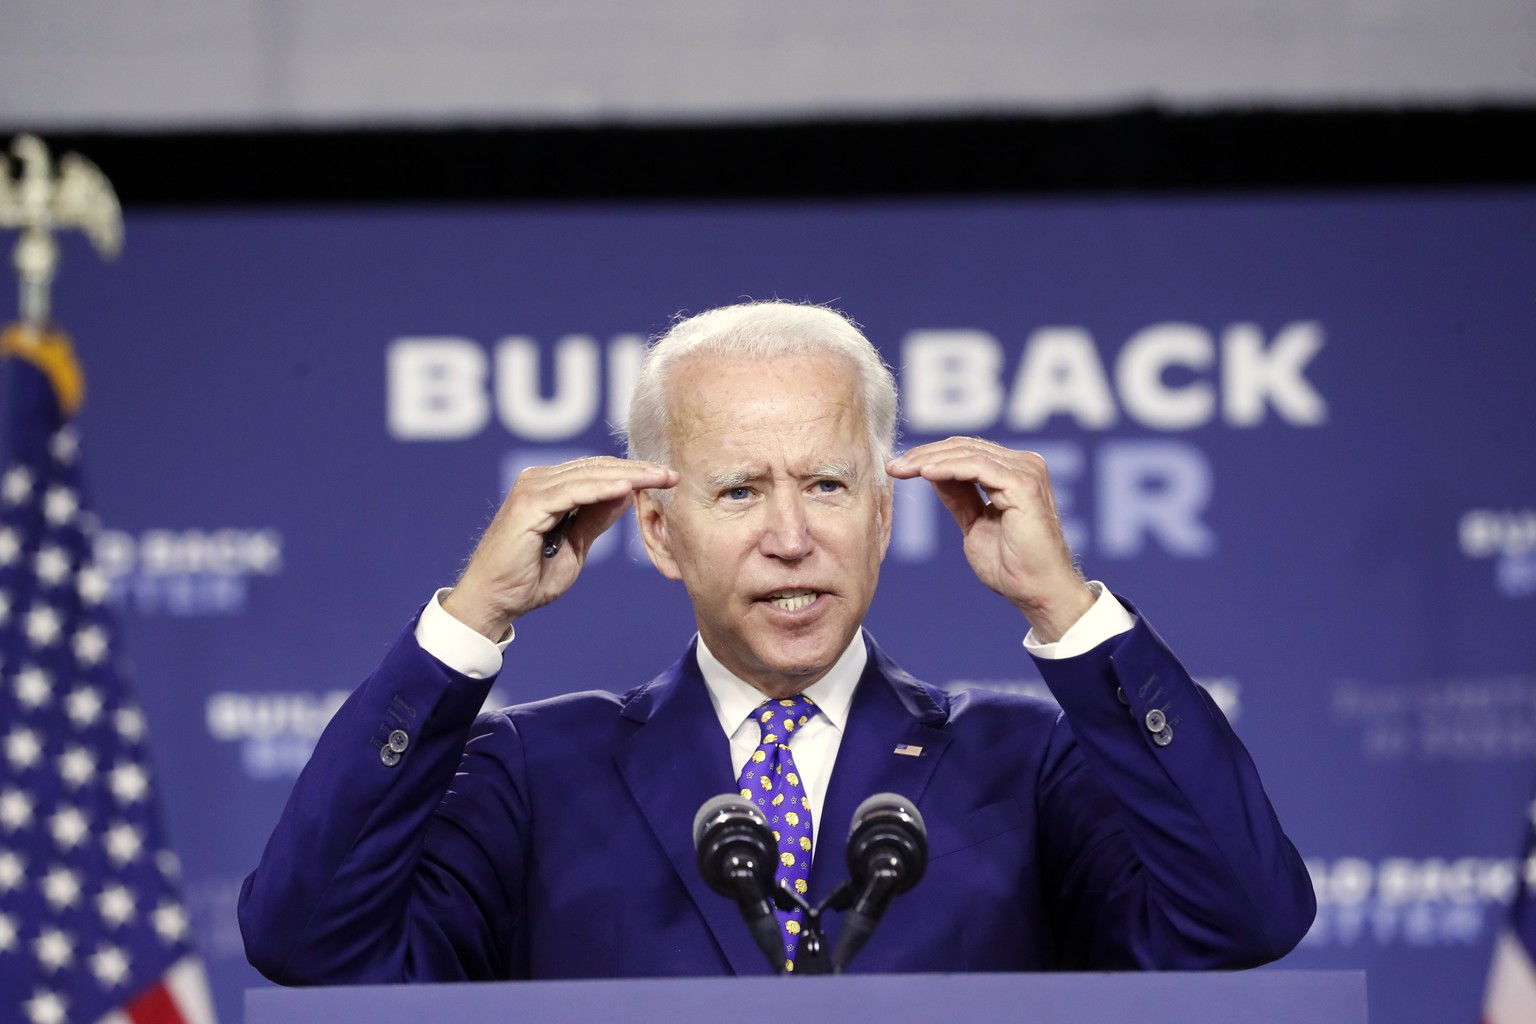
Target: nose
x=786, y=529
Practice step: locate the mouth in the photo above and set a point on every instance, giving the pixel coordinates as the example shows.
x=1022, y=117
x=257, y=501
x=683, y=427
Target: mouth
x=792, y=600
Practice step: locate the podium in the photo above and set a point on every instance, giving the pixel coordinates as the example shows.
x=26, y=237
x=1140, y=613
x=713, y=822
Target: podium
x=1253, y=997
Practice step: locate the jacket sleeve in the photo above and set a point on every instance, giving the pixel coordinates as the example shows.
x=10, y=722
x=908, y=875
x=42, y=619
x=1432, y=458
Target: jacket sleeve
x=369, y=876
x=1195, y=872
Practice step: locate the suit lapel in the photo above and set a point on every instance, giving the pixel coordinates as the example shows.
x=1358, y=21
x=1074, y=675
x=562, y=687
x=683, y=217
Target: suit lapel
x=889, y=709
x=678, y=760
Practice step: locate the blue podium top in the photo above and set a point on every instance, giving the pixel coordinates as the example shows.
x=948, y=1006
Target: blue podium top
x=1254, y=997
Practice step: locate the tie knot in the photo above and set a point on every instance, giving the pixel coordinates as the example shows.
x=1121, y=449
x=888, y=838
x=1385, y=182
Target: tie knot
x=777, y=720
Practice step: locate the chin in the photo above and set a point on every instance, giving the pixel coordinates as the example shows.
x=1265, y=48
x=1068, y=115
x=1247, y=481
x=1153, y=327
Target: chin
x=805, y=658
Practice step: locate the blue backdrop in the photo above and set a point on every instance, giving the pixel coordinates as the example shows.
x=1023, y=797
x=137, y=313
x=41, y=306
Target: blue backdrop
x=1298, y=432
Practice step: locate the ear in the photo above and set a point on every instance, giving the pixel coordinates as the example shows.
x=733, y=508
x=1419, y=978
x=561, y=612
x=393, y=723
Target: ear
x=883, y=515
x=651, y=515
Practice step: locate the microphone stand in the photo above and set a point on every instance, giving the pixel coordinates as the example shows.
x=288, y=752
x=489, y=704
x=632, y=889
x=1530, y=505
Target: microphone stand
x=887, y=851
x=867, y=910
x=811, y=954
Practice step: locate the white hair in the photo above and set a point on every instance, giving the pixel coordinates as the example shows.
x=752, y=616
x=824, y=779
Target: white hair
x=761, y=330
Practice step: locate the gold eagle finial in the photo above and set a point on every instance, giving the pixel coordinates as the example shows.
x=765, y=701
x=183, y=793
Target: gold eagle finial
x=38, y=202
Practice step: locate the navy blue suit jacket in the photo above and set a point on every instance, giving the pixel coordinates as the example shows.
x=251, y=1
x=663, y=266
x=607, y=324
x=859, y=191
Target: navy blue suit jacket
x=553, y=839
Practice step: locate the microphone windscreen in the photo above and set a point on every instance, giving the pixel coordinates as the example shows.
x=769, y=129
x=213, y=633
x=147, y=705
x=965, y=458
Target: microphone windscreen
x=895, y=803
x=888, y=829
x=722, y=808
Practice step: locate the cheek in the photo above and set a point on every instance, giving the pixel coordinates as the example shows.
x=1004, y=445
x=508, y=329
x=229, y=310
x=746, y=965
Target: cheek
x=864, y=519
x=857, y=538
x=712, y=545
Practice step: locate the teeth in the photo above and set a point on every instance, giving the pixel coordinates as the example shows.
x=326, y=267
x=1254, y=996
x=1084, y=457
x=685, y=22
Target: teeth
x=792, y=600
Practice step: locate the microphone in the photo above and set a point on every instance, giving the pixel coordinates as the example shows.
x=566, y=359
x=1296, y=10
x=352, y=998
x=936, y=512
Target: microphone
x=887, y=854
x=738, y=856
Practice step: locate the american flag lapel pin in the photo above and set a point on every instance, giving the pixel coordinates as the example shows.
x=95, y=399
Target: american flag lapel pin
x=908, y=750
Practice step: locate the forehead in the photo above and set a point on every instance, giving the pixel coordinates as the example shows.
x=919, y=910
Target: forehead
x=807, y=406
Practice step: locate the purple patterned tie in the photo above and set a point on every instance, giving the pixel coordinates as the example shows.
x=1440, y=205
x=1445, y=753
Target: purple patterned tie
x=771, y=781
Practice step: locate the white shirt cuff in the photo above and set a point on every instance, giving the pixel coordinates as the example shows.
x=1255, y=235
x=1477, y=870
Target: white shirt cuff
x=1106, y=618
x=456, y=645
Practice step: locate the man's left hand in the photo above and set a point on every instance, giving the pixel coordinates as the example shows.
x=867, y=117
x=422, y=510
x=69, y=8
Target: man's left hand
x=1002, y=500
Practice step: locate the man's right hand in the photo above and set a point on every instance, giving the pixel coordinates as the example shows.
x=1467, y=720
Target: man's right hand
x=508, y=575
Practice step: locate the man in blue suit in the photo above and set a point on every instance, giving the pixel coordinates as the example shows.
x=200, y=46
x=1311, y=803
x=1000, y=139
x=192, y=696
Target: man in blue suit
x=1125, y=828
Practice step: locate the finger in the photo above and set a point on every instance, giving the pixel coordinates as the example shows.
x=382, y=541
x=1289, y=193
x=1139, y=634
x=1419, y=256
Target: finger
x=937, y=449
x=1006, y=476
x=602, y=465
x=980, y=468
x=962, y=499
x=607, y=468
x=549, y=498
x=593, y=520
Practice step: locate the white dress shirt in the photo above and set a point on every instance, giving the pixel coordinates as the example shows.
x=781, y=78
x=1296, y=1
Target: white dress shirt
x=815, y=743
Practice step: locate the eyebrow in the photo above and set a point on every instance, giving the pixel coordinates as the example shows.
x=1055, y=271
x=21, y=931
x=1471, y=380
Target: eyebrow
x=728, y=478
x=845, y=471
x=725, y=479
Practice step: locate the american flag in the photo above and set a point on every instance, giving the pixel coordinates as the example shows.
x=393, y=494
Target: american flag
x=92, y=927
x=1511, y=994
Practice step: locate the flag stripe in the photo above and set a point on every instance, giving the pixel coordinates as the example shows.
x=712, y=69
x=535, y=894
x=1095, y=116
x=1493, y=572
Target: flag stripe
x=188, y=983
x=155, y=1006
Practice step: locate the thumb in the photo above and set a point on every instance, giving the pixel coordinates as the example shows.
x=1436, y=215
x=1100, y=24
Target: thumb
x=962, y=499
x=591, y=521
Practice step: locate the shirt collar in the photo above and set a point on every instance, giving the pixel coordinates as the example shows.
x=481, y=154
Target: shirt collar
x=735, y=699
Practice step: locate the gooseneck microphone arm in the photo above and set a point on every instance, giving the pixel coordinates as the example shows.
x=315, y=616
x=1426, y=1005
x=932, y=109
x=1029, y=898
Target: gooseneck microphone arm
x=859, y=923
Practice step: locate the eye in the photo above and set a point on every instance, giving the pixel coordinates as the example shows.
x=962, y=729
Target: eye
x=739, y=493
x=829, y=486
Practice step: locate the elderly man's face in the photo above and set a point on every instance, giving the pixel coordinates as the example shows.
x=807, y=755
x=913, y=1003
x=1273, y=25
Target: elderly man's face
x=781, y=519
